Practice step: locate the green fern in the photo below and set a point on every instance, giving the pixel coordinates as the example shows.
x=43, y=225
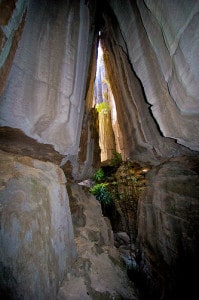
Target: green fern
x=99, y=175
x=101, y=193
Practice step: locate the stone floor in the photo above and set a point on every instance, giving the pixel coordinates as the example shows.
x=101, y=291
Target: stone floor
x=98, y=272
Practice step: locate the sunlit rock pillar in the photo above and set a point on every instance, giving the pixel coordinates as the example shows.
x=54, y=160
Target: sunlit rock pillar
x=103, y=100
x=106, y=134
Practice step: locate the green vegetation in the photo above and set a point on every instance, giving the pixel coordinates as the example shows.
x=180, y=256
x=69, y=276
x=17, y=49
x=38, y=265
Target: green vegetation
x=104, y=188
x=99, y=175
x=116, y=160
x=118, y=187
x=103, y=107
x=101, y=193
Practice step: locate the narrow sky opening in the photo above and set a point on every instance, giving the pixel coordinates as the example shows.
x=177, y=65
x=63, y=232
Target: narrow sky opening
x=105, y=105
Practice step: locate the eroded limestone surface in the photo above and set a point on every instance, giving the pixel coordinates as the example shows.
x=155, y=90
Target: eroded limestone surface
x=36, y=237
x=97, y=272
x=44, y=96
x=151, y=52
x=12, y=18
x=13, y=140
x=151, y=55
x=168, y=228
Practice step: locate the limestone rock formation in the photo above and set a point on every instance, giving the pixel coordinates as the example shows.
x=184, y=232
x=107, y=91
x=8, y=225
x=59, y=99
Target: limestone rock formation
x=152, y=75
x=12, y=17
x=102, y=96
x=46, y=88
x=107, y=139
x=36, y=237
x=46, y=98
x=47, y=122
x=168, y=227
x=97, y=272
x=13, y=140
x=151, y=54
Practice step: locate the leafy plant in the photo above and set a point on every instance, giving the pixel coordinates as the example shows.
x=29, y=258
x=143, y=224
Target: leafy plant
x=101, y=193
x=116, y=159
x=103, y=107
x=99, y=175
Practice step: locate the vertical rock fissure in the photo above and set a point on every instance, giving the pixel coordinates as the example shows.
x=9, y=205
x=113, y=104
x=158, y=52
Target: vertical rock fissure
x=105, y=106
x=48, y=120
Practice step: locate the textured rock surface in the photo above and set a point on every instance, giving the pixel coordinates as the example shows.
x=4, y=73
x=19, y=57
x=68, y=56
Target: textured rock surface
x=151, y=52
x=36, y=237
x=173, y=32
x=103, y=94
x=150, y=87
x=44, y=96
x=12, y=16
x=15, y=141
x=169, y=229
x=107, y=138
x=89, y=151
x=96, y=273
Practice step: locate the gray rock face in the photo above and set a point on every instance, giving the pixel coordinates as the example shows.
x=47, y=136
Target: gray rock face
x=36, y=237
x=97, y=272
x=46, y=87
x=12, y=17
x=173, y=32
x=168, y=228
x=157, y=47
x=154, y=76
x=151, y=52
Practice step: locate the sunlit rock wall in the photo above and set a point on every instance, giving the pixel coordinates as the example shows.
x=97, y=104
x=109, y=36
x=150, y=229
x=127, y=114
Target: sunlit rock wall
x=106, y=133
x=36, y=237
x=103, y=94
x=44, y=95
x=88, y=159
x=154, y=68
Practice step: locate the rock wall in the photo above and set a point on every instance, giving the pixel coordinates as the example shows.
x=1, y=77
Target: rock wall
x=89, y=152
x=106, y=136
x=151, y=54
x=168, y=229
x=102, y=93
x=12, y=16
x=46, y=89
x=36, y=237
x=150, y=74
x=98, y=271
